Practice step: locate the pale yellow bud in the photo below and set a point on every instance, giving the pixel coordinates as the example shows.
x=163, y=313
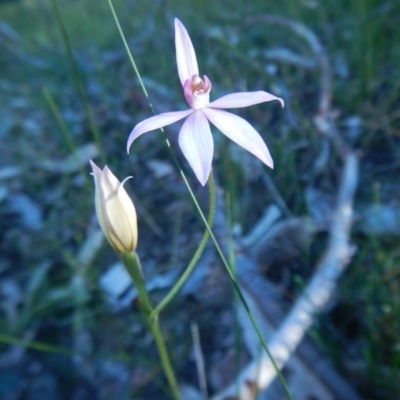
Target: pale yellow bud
x=115, y=210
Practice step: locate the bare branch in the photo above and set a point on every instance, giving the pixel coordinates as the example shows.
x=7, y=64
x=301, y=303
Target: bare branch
x=316, y=47
x=260, y=373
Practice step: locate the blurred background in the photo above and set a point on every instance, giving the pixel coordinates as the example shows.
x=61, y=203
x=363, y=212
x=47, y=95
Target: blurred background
x=69, y=325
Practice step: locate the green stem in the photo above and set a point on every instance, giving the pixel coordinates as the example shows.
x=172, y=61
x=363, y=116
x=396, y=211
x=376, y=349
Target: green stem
x=196, y=256
x=129, y=52
x=81, y=89
x=132, y=264
x=65, y=131
x=236, y=287
x=218, y=248
x=50, y=348
x=162, y=351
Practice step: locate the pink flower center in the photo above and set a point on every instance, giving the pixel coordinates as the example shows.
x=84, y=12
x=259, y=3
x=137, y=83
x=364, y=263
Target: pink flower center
x=198, y=87
x=197, y=91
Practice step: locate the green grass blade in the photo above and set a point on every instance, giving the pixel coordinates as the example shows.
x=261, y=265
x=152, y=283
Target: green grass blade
x=65, y=131
x=81, y=89
x=195, y=258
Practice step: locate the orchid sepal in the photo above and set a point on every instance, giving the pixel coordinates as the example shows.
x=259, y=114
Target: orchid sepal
x=185, y=54
x=244, y=99
x=155, y=122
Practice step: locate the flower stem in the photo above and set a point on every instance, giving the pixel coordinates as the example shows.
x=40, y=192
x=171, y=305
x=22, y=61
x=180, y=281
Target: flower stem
x=231, y=275
x=132, y=264
x=202, y=216
x=196, y=256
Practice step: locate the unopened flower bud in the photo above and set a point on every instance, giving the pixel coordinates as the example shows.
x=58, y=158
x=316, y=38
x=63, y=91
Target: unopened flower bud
x=115, y=210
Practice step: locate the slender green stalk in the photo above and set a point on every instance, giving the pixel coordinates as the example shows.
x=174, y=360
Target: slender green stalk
x=202, y=216
x=162, y=351
x=195, y=257
x=129, y=53
x=228, y=269
x=81, y=89
x=64, y=129
x=39, y=346
x=237, y=289
x=132, y=264
x=232, y=261
x=50, y=348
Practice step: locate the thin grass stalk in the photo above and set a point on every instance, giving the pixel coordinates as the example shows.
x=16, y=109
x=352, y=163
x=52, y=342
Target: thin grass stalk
x=81, y=89
x=202, y=216
x=65, y=131
x=195, y=258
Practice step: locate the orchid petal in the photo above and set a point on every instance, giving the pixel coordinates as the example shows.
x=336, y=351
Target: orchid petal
x=241, y=132
x=208, y=84
x=185, y=54
x=244, y=99
x=187, y=92
x=158, y=121
x=197, y=145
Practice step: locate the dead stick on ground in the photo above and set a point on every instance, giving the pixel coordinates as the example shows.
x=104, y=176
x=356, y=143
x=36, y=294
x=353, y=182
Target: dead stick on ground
x=260, y=373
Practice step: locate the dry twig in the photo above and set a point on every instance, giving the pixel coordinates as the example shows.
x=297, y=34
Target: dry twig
x=258, y=375
x=318, y=292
